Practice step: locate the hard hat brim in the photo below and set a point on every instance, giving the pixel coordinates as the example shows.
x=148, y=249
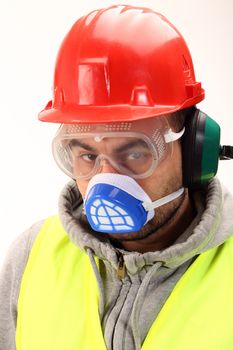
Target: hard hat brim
x=111, y=113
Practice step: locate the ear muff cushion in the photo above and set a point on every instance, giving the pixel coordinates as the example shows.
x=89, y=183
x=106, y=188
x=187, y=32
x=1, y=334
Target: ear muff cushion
x=191, y=149
x=200, y=149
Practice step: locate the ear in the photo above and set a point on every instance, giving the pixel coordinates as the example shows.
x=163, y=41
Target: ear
x=200, y=149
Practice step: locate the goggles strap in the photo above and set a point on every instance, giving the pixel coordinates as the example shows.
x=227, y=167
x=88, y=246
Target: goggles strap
x=171, y=136
x=170, y=197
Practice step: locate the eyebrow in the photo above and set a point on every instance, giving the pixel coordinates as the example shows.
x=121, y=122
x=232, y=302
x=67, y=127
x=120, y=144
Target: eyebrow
x=131, y=144
x=121, y=148
x=84, y=145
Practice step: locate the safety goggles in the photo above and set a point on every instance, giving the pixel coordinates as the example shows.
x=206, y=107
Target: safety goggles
x=131, y=148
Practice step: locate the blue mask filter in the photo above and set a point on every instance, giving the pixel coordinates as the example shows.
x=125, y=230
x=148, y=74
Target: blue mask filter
x=115, y=203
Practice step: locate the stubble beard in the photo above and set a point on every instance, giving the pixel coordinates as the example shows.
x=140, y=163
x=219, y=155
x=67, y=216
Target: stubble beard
x=163, y=217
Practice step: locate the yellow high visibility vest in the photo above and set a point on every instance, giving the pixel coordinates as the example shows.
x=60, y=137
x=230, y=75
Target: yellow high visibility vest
x=58, y=301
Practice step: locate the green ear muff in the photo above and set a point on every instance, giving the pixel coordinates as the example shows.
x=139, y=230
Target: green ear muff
x=200, y=149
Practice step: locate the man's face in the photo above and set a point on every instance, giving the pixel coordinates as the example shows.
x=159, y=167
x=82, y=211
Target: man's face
x=165, y=179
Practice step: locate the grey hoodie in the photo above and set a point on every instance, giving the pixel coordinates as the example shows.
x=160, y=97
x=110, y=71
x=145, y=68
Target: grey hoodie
x=128, y=304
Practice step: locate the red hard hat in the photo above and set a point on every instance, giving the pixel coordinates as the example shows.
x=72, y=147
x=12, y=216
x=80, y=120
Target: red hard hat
x=122, y=63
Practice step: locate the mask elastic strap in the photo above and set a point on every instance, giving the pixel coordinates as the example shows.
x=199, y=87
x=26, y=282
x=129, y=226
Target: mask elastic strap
x=170, y=197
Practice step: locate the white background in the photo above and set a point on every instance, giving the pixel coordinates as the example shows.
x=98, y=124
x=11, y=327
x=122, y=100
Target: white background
x=30, y=34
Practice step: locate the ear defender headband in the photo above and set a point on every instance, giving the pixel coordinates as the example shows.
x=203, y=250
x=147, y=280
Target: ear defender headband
x=201, y=149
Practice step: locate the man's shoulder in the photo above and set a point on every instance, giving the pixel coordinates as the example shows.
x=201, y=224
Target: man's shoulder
x=21, y=246
x=17, y=257
x=10, y=281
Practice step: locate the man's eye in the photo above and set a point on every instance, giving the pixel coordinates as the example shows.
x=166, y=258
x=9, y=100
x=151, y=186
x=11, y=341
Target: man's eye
x=88, y=157
x=135, y=155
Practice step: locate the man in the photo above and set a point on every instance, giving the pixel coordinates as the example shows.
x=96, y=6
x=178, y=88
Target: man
x=140, y=256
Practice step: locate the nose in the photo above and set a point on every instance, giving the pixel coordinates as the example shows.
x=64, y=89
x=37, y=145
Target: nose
x=107, y=167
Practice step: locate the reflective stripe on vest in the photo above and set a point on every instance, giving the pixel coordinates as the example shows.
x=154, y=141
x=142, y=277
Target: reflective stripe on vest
x=58, y=301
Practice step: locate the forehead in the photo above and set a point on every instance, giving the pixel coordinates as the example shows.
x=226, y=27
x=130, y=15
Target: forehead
x=106, y=144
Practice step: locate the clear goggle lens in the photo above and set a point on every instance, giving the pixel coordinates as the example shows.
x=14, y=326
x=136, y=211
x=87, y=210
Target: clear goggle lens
x=82, y=150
